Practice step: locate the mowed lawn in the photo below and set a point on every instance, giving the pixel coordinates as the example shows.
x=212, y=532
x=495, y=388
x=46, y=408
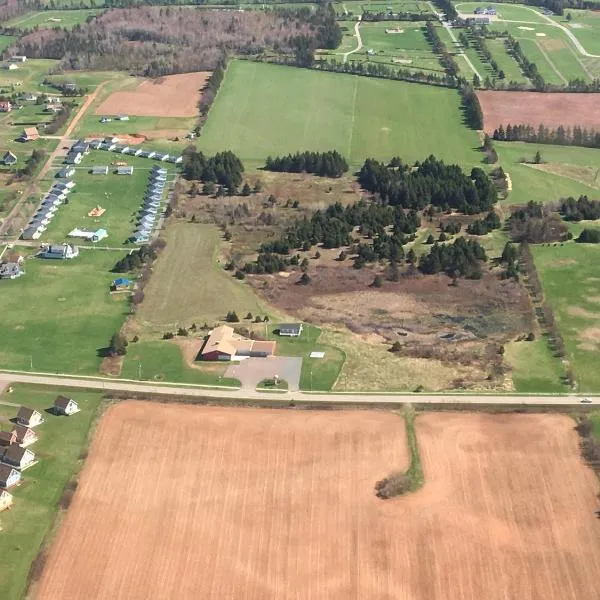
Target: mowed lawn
x=57, y=316
x=264, y=110
x=121, y=195
x=58, y=450
x=188, y=285
x=570, y=276
x=49, y=19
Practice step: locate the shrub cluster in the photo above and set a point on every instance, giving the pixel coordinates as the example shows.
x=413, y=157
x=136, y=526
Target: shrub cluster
x=462, y=258
x=224, y=168
x=582, y=209
x=325, y=164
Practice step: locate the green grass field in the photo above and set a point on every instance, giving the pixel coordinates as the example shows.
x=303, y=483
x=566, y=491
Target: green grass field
x=585, y=26
x=28, y=77
x=59, y=314
x=506, y=62
x=576, y=305
x=6, y=41
x=209, y=292
x=511, y=12
x=121, y=195
x=59, y=449
x=318, y=374
x=569, y=171
x=267, y=110
x=48, y=19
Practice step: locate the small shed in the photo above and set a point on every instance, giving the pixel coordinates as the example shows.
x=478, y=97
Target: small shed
x=18, y=457
x=65, y=406
x=122, y=283
x=124, y=170
x=29, y=417
x=6, y=500
x=9, y=159
x=30, y=134
x=290, y=329
x=100, y=170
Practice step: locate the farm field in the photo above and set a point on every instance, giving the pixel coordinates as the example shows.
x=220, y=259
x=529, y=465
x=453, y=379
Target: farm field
x=267, y=482
x=567, y=171
x=59, y=315
x=576, y=305
x=357, y=7
x=48, y=19
x=121, y=195
x=364, y=117
x=37, y=500
x=6, y=41
x=252, y=495
x=28, y=77
x=192, y=254
x=585, y=26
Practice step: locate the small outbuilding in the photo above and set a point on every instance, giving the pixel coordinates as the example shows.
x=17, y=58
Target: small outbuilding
x=29, y=417
x=65, y=406
x=25, y=436
x=9, y=476
x=18, y=457
x=6, y=500
x=9, y=159
x=124, y=170
x=122, y=283
x=30, y=134
x=100, y=170
x=290, y=329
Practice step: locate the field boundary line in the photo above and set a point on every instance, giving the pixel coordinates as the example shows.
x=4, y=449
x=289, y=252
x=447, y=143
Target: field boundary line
x=353, y=117
x=549, y=61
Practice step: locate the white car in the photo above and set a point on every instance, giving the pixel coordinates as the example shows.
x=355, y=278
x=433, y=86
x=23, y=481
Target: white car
x=586, y=401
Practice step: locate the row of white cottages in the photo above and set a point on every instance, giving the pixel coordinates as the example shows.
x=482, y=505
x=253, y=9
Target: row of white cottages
x=15, y=454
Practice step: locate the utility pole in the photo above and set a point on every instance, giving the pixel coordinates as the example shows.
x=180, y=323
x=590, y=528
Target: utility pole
x=140, y=370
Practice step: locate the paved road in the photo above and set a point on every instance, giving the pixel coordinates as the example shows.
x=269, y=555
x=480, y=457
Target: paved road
x=359, y=40
x=236, y=394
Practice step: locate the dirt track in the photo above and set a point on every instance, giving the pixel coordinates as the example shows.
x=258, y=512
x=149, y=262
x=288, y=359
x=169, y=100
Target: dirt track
x=194, y=502
x=535, y=108
x=170, y=96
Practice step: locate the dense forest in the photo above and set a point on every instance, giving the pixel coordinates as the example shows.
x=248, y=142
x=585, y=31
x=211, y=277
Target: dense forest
x=561, y=136
x=224, y=168
x=325, y=164
x=429, y=182
x=589, y=236
x=155, y=41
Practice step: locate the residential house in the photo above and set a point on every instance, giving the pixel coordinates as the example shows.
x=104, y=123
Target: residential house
x=29, y=417
x=18, y=457
x=6, y=500
x=9, y=476
x=123, y=118
x=73, y=158
x=10, y=270
x=65, y=185
x=18, y=58
x=25, y=436
x=66, y=172
x=290, y=329
x=7, y=438
x=80, y=146
x=53, y=99
x=30, y=233
x=65, y=406
x=105, y=120
x=5, y=106
x=59, y=251
x=111, y=140
x=100, y=170
x=124, y=149
x=95, y=144
x=30, y=134
x=11, y=67
x=9, y=159
x=176, y=159
x=224, y=344
x=124, y=170
x=30, y=97
x=162, y=157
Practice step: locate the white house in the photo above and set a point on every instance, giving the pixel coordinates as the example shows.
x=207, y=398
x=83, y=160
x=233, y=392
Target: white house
x=9, y=476
x=65, y=406
x=25, y=436
x=18, y=58
x=29, y=417
x=6, y=499
x=60, y=251
x=290, y=329
x=18, y=457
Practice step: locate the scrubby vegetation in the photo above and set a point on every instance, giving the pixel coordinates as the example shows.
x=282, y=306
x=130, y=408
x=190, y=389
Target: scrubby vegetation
x=536, y=224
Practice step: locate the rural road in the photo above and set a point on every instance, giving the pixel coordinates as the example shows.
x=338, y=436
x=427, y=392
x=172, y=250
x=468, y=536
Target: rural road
x=105, y=384
x=64, y=139
x=359, y=41
x=458, y=47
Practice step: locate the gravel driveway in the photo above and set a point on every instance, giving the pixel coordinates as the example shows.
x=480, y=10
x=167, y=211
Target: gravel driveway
x=253, y=370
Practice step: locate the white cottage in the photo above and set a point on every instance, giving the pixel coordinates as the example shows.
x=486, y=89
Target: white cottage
x=65, y=406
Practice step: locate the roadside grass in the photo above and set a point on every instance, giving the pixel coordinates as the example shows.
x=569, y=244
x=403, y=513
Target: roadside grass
x=318, y=374
x=50, y=19
x=272, y=385
x=531, y=183
x=189, y=283
x=121, y=195
x=264, y=110
x=59, y=449
x=534, y=368
x=89, y=79
x=570, y=276
x=57, y=316
x=163, y=361
x=595, y=419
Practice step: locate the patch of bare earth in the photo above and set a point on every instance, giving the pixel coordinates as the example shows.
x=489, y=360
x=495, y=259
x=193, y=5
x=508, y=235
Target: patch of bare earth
x=170, y=96
x=193, y=502
x=536, y=108
x=111, y=366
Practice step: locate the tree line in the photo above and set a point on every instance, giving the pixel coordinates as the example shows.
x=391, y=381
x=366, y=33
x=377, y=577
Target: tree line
x=582, y=209
x=471, y=106
x=445, y=58
x=561, y=136
x=325, y=164
x=529, y=68
x=224, y=168
x=589, y=236
x=483, y=226
x=447, y=7
x=212, y=87
x=372, y=16
x=429, y=182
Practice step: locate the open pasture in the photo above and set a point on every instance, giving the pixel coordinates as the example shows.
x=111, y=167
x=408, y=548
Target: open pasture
x=121, y=195
x=509, y=12
x=170, y=96
x=28, y=77
x=273, y=504
x=267, y=110
x=48, y=19
x=36, y=501
x=59, y=314
x=585, y=26
x=576, y=306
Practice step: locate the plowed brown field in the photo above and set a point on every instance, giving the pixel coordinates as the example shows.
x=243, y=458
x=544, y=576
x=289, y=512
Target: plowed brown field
x=536, y=108
x=170, y=96
x=201, y=503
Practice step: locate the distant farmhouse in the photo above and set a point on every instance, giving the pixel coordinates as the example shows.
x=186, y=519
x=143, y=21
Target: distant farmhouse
x=5, y=106
x=224, y=344
x=59, y=251
x=18, y=58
